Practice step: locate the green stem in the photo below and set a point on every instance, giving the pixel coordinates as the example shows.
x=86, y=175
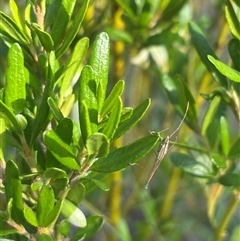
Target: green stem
x=188, y=147
x=219, y=233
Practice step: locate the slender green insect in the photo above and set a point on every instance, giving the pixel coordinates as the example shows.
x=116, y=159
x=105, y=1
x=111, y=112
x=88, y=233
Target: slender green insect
x=163, y=149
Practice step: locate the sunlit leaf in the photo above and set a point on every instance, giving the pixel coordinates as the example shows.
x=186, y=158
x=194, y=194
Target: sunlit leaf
x=230, y=73
x=125, y=156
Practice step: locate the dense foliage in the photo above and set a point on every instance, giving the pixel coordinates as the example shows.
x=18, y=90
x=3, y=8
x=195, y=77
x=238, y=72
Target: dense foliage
x=63, y=115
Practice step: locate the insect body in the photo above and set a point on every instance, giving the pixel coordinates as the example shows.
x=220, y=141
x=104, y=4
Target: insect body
x=163, y=149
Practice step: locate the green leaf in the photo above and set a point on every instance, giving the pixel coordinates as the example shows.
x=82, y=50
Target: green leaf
x=98, y=183
x=30, y=216
x=100, y=63
x=17, y=16
x=97, y=145
x=190, y=165
x=52, y=8
x=64, y=228
x=67, y=105
x=234, y=150
x=54, y=213
x=59, y=185
x=114, y=119
x=209, y=116
x=13, y=189
x=15, y=90
x=84, y=119
x=230, y=73
x=73, y=214
x=65, y=130
x=232, y=19
x=7, y=232
x=203, y=48
x=218, y=160
x=60, y=150
x=43, y=110
x=43, y=237
x=76, y=193
x=125, y=156
x=137, y=115
x=230, y=179
x=94, y=223
x=44, y=37
x=54, y=109
x=225, y=138
x=9, y=30
x=119, y=35
x=180, y=96
x=73, y=30
x=234, y=52
x=74, y=64
x=3, y=129
x=87, y=94
x=54, y=172
x=126, y=113
x=128, y=7
x=112, y=98
x=62, y=19
x=9, y=118
x=45, y=204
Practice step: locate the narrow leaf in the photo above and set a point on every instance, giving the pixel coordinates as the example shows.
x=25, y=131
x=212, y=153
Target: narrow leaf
x=76, y=193
x=62, y=19
x=97, y=145
x=230, y=179
x=72, y=32
x=230, y=73
x=54, y=109
x=100, y=62
x=113, y=96
x=213, y=107
x=203, y=48
x=85, y=123
x=125, y=156
x=9, y=29
x=65, y=130
x=17, y=15
x=30, y=216
x=98, y=183
x=232, y=19
x=15, y=90
x=234, y=52
x=60, y=150
x=45, y=204
x=180, y=95
x=54, y=213
x=225, y=138
x=137, y=115
x=234, y=150
x=44, y=37
x=13, y=189
x=54, y=172
x=112, y=123
x=74, y=64
x=3, y=129
x=94, y=223
x=87, y=93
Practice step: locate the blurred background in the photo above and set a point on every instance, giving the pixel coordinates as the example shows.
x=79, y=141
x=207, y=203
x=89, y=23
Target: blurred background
x=150, y=39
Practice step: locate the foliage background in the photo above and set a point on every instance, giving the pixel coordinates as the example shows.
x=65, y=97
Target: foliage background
x=141, y=214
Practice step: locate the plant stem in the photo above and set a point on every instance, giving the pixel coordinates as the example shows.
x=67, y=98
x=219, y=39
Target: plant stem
x=219, y=233
x=171, y=191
